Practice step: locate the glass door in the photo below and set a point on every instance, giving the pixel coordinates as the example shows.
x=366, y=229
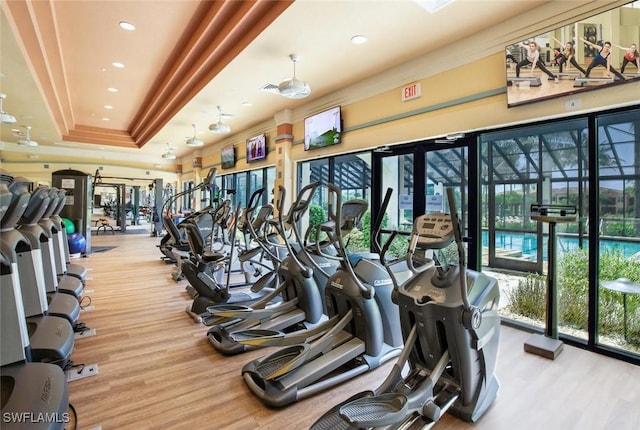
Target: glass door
x=511, y=176
x=394, y=171
x=419, y=176
x=448, y=168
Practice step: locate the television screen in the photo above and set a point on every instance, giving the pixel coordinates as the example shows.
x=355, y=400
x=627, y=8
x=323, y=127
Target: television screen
x=257, y=148
x=228, y=157
x=590, y=54
x=322, y=129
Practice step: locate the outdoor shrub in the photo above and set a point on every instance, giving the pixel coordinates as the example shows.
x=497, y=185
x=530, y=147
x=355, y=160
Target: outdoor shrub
x=316, y=217
x=573, y=286
x=528, y=297
x=619, y=228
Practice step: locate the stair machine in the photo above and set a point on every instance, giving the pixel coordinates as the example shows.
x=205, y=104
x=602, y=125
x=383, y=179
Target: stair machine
x=33, y=389
x=299, y=315
x=451, y=329
x=17, y=376
x=32, y=226
x=365, y=335
x=209, y=272
x=51, y=338
x=64, y=283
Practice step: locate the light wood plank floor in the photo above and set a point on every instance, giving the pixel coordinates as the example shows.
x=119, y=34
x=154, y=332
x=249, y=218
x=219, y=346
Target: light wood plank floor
x=157, y=370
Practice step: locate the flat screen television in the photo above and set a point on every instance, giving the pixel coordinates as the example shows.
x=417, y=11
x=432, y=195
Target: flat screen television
x=323, y=129
x=257, y=148
x=228, y=157
x=568, y=62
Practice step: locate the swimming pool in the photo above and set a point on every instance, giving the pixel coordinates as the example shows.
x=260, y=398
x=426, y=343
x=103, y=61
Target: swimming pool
x=527, y=243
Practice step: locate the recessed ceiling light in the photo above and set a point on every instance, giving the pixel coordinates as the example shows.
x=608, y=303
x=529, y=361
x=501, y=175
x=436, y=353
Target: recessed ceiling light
x=359, y=39
x=106, y=119
x=127, y=26
x=117, y=65
x=103, y=69
x=108, y=107
x=247, y=104
x=112, y=90
x=32, y=156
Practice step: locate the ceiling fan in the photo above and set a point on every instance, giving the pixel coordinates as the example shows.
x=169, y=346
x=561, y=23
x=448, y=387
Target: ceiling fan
x=169, y=155
x=292, y=88
x=220, y=127
x=27, y=138
x=194, y=141
x=5, y=118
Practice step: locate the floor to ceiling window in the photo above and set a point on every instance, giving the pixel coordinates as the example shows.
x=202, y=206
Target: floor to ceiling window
x=598, y=253
x=351, y=173
x=238, y=187
x=618, y=146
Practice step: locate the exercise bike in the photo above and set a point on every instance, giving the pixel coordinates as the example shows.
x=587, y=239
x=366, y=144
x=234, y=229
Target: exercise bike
x=451, y=329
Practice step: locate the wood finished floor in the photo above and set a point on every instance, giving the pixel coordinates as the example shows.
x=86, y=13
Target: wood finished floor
x=158, y=371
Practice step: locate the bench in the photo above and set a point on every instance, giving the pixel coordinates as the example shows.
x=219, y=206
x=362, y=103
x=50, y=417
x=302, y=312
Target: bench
x=104, y=224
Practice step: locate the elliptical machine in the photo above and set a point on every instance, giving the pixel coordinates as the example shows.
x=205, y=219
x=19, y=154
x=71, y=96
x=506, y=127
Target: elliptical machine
x=205, y=268
x=366, y=333
x=451, y=329
x=300, y=313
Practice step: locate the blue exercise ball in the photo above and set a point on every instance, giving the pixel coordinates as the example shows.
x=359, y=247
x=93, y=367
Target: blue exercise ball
x=69, y=227
x=77, y=243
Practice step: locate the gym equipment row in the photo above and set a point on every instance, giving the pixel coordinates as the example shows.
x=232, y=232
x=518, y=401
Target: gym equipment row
x=41, y=304
x=434, y=317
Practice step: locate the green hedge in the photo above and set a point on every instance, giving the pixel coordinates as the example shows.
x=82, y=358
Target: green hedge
x=528, y=298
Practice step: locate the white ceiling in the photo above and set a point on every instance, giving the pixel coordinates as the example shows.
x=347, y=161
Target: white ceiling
x=56, y=64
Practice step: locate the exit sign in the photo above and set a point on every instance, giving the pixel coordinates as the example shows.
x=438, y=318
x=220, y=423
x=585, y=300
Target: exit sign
x=411, y=91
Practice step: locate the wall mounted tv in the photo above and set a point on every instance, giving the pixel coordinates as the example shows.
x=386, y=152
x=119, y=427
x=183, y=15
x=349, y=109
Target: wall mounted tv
x=322, y=129
x=257, y=148
x=228, y=157
x=568, y=57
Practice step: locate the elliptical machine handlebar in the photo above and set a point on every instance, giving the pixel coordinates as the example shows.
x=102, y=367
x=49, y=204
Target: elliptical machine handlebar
x=209, y=180
x=377, y=228
x=297, y=209
x=246, y=217
x=335, y=214
x=471, y=315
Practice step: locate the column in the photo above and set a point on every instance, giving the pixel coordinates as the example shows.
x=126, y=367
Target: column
x=284, y=166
